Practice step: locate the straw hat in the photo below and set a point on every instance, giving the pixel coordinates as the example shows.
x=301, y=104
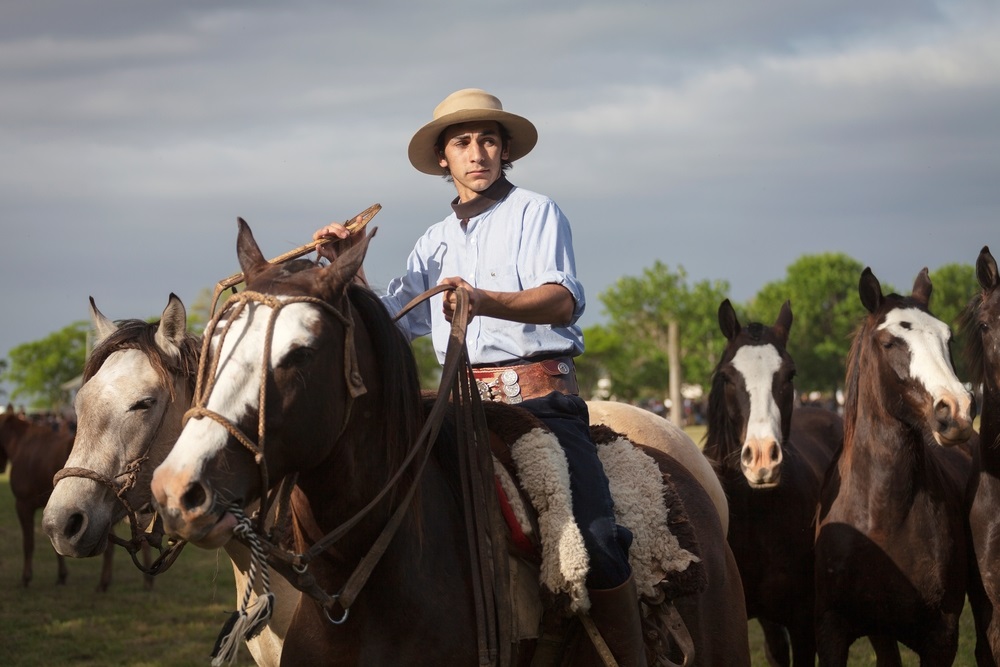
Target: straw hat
x=469, y=104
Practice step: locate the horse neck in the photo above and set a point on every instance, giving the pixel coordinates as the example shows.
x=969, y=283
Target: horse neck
x=883, y=458
x=722, y=435
x=11, y=434
x=989, y=420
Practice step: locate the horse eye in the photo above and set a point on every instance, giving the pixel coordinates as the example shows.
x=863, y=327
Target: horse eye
x=143, y=404
x=297, y=357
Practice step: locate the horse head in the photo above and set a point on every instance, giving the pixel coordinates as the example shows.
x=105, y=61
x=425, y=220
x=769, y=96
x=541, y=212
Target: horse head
x=979, y=323
x=751, y=399
x=138, y=383
x=278, y=384
x=900, y=364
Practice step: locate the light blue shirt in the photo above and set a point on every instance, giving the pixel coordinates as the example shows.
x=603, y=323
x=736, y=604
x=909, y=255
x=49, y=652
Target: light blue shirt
x=523, y=241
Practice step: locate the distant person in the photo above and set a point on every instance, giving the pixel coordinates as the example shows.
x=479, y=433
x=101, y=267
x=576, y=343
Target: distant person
x=512, y=250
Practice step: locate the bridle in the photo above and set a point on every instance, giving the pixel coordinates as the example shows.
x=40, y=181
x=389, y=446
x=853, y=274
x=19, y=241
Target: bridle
x=486, y=531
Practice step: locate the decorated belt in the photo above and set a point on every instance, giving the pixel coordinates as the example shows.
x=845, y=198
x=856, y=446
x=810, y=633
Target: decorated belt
x=513, y=384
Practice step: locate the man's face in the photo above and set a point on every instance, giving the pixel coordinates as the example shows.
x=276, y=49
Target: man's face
x=473, y=155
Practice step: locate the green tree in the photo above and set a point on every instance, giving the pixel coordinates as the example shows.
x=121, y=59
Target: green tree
x=823, y=290
x=634, y=347
x=39, y=369
x=954, y=285
x=428, y=367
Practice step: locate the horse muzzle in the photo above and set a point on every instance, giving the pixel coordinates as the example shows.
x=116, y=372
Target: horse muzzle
x=75, y=528
x=760, y=461
x=189, y=509
x=952, y=420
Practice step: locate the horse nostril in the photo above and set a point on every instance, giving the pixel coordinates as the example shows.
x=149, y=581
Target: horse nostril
x=942, y=412
x=747, y=456
x=775, y=453
x=194, y=497
x=74, y=525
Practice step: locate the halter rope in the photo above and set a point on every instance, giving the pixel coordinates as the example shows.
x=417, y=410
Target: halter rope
x=250, y=619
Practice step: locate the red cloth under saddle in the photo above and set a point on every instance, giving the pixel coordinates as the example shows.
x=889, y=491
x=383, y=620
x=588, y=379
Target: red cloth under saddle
x=517, y=535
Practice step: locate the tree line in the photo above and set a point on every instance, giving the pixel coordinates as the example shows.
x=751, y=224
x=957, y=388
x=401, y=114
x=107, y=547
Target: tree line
x=631, y=347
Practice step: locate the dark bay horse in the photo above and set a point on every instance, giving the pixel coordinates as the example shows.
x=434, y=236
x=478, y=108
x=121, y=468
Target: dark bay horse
x=36, y=452
x=138, y=383
x=309, y=376
x=771, y=459
x=981, y=324
x=890, y=546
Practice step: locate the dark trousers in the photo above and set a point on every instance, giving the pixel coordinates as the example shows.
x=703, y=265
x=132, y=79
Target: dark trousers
x=607, y=543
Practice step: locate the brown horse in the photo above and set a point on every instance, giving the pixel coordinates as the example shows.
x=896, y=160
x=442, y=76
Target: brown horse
x=890, y=545
x=337, y=402
x=771, y=460
x=36, y=452
x=981, y=324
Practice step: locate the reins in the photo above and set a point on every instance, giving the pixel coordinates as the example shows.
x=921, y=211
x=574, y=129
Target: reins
x=485, y=530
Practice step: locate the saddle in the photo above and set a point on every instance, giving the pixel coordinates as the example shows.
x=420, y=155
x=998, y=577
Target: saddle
x=532, y=480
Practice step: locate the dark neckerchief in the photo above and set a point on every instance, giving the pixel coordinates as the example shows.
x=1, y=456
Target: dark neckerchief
x=484, y=200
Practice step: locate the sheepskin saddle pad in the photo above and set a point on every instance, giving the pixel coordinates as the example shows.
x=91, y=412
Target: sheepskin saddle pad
x=533, y=486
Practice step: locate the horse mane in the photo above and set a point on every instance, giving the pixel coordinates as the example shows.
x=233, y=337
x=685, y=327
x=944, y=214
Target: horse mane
x=135, y=334
x=401, y=413
x=968, y=324
x=856, y=359
x=852, y=383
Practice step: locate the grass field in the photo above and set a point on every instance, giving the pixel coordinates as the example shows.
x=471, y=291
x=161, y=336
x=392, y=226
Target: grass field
x=177, y=622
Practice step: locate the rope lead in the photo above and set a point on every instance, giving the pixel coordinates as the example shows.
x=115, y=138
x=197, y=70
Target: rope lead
x=250, y=619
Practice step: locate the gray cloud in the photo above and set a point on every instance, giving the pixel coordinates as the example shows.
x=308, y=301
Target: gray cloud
x=727, y=137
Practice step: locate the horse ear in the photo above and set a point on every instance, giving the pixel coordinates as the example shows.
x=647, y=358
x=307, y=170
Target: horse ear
x=986, y=269
x=922, y=287
x=173, y=325
x=728, y=321
x=102, y=325
x=870, y=290
x=783, y=324
x=247, y=250
x=342, y=271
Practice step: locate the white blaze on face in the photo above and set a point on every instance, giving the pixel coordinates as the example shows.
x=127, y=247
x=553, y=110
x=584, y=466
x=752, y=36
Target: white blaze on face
x=930, y=363
x=236, y=391
x=758, y=364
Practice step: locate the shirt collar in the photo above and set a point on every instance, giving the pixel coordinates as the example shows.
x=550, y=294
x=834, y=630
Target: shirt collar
x=484, y=200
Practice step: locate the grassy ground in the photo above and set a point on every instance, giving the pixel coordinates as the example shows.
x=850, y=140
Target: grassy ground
x=174, y=624
x=177, y=622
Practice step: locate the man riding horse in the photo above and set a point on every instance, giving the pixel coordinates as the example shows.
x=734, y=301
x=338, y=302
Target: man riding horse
x=511, y=250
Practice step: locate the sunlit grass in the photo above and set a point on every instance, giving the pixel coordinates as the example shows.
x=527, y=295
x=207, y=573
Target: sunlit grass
x=176, y=623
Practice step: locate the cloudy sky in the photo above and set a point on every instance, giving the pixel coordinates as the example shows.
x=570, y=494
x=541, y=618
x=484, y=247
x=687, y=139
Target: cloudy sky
x=724, y=136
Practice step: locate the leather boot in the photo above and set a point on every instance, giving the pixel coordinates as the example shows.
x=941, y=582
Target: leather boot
x=615, y=612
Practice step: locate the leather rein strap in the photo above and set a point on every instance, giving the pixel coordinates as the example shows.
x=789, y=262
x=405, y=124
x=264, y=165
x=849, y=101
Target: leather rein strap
x=485, y=529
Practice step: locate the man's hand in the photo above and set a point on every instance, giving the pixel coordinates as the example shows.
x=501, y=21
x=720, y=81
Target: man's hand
x=450, y=300
x=546, y=304
x=335, y=231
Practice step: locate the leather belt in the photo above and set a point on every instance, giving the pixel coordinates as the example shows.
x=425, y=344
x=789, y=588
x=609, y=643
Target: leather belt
x=513, y=384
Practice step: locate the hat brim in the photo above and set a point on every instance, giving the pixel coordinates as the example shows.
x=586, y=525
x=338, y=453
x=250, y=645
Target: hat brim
x=422, y=146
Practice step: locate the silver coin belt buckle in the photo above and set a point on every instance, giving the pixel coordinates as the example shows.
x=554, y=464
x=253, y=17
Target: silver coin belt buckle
x=504, y=388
